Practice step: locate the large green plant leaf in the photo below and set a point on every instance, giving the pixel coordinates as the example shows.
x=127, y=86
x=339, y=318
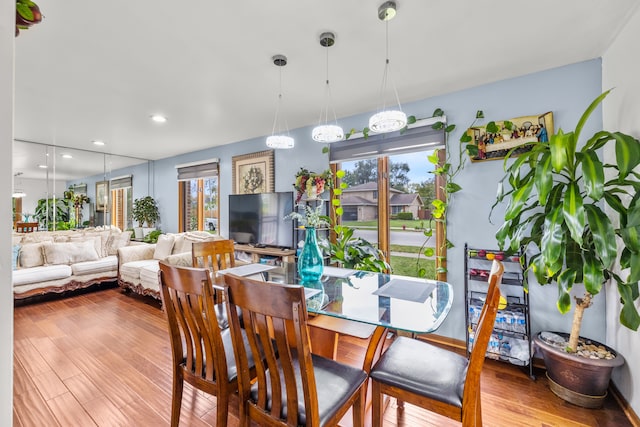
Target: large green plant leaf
x=544, y=178
x=627, y=153
x=593, y=173
x=558, y=144
x=629, y=314
x=573, y=210
x=565, y=280
x=631, y=232
x=518, y=200
x=588, y=111
x=592, y=273
x=552, y=239
x=604, y=236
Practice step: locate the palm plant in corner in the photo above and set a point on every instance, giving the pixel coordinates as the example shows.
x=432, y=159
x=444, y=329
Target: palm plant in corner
x=582, y=217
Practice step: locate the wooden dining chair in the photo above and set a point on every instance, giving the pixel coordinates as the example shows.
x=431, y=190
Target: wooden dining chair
x=202, y=350
x=436, y=379
x=215, y=255
x=292, y=387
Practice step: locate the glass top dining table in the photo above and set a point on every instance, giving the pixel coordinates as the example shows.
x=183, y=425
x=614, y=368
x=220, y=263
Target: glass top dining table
x=384, y=301
x=410, y=304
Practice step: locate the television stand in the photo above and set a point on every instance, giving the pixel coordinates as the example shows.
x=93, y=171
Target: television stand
x=282, y=255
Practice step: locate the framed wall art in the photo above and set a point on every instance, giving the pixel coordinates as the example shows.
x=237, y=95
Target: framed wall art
x=496, y=139
x=253, y=173
x=102, y=195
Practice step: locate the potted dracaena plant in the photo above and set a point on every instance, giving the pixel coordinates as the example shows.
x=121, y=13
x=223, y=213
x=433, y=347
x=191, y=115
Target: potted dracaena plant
x=582, y=218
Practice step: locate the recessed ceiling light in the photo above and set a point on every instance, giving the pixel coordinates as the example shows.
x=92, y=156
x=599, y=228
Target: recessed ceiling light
x=98, y=143
x=158, y=118
x=67, y=156
x=42, y=166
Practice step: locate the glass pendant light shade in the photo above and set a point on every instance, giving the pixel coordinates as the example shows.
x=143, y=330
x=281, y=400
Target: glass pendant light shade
x=387, y=121
x=279, y=139
x=325, y=132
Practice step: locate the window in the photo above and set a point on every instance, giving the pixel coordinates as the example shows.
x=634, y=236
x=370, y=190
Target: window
x=121, y=202
x=390, y=192
x=198, y=196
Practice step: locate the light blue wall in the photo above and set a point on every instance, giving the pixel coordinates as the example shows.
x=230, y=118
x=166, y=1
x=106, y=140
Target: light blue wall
x=565, y=91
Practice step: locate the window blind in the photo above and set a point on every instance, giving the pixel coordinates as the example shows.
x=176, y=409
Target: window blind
x=378, y=145
x=195, y=171
x=121, y=182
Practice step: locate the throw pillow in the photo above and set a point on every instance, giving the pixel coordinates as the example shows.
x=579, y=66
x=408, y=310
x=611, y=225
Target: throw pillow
x=118, y=240
x=31, y=255
x=163, y=246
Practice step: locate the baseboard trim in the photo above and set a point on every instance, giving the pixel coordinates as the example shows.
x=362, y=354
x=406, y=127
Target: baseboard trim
x=626, y=408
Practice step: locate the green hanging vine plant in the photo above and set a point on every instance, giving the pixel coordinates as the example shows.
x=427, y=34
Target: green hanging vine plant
x=440, y=206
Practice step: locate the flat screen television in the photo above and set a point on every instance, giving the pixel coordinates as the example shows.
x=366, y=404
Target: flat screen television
x=258, y=219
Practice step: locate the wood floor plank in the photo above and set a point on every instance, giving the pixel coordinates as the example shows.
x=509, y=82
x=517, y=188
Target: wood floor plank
x=105, y=356
x=83, y=389
x=33, y=411
x=69, y=412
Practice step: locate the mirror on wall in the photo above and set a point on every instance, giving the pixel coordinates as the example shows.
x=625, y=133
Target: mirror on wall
x=60, y=188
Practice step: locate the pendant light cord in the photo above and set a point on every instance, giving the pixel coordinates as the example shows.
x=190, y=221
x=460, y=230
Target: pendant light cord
x=386, y=76
x=278, y=105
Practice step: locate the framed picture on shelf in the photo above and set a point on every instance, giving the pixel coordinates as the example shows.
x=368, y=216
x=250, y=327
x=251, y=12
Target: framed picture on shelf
x=102, y=195
x=253, y=173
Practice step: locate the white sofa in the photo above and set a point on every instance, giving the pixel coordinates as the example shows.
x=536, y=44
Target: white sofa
x=59, y=261
x=138, y=265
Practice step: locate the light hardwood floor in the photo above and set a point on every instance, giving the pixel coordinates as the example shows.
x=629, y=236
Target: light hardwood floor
x=103, y=359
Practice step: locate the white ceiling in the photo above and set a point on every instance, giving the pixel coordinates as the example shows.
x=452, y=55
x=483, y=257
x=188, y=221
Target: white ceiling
x=98, y=70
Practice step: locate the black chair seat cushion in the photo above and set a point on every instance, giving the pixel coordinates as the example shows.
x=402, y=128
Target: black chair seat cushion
x=336, y=382
x=423, y=369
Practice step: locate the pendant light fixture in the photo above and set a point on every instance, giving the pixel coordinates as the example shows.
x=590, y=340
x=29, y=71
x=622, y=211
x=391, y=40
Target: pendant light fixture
x=281, y=139
x=387, y=120
x=326, y=132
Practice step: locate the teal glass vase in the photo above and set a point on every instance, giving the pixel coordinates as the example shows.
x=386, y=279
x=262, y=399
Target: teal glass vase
x=310, y=261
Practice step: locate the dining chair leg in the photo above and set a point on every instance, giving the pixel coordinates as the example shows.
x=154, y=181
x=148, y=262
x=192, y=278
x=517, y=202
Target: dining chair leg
x=377, y=400
x=359, y=408
x=176, y=399
x=222, y=409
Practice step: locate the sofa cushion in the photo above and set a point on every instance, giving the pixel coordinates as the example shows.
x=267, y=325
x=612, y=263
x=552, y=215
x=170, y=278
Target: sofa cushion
x=70, y=252
x=132, y=268
x=37, y=237
x=40, y=274
x=97, y=243
x=184, y=241
x=101, y=265
x=181, y=260
x=31, y=255
x=149, y=276
x=117, y=240
x=164, y=245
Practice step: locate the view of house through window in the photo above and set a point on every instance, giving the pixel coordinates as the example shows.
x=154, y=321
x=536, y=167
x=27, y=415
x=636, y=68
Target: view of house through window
x=121, y=203
x=200, y=204
x=411, y=191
